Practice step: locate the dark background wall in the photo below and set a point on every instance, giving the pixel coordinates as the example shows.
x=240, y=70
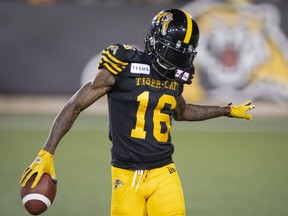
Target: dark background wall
x=43, y=49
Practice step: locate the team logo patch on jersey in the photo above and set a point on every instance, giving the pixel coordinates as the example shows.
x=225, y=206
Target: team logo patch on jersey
x=113, y=48
x=117, y=183
x=140, y=68
x=182, y=75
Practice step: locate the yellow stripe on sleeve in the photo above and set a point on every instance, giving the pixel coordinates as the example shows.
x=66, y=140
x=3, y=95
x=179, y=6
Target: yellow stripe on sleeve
x=112, y=70
x=116, y=66
x=114, y=59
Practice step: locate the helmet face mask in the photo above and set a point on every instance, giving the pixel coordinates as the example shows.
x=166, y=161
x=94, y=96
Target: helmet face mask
x=176, y=55
x=172, y=41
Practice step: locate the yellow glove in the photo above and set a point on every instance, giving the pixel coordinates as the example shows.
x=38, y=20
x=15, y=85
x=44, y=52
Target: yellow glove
x=239, y=111
x=42, y=164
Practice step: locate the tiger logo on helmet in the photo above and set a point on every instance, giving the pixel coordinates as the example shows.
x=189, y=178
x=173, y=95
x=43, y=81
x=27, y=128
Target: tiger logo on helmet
x=165, y=18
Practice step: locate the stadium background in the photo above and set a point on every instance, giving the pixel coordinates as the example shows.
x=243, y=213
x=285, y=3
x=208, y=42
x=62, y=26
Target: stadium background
x=227, y=167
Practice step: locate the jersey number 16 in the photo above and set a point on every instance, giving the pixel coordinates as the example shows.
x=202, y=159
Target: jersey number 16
x=158, y=117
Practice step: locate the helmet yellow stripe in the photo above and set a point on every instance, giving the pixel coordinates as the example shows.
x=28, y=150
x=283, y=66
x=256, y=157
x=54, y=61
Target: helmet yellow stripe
x=189, y=28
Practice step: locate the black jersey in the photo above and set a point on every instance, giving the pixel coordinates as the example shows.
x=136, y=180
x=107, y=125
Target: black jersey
x=140, y=109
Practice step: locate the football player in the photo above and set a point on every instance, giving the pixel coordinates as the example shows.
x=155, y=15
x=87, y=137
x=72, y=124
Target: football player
x=144, y=90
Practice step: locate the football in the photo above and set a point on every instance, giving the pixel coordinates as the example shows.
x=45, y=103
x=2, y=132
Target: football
x=39, y=199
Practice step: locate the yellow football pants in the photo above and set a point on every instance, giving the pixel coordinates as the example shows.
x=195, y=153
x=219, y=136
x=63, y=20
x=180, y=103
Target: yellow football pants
x=155, y=192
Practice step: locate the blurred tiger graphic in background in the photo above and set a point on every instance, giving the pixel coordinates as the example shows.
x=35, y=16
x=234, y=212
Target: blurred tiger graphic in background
x=242, y=52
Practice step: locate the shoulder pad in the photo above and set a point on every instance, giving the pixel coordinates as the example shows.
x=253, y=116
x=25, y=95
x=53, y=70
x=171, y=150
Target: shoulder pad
x=115, y=58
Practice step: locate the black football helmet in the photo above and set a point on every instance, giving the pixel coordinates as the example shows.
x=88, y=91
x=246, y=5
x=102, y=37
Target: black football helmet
x=171, y=43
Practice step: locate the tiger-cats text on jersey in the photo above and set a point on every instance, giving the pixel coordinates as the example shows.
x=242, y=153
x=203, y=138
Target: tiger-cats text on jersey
x=140, y=109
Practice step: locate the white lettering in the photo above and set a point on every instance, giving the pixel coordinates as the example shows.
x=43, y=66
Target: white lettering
x=184, y=76
x=140, y=68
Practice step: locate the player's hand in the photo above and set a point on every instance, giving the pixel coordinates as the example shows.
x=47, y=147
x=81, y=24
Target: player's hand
x=240, y=111
x=42, y=164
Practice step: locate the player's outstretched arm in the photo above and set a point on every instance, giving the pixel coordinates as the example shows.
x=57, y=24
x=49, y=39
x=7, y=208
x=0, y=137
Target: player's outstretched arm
x=193, y=112
x=87, y=95
x=83, y=98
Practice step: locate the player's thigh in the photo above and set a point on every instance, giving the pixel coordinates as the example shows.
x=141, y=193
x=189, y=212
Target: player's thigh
x=168, y=199
x=124, y=201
